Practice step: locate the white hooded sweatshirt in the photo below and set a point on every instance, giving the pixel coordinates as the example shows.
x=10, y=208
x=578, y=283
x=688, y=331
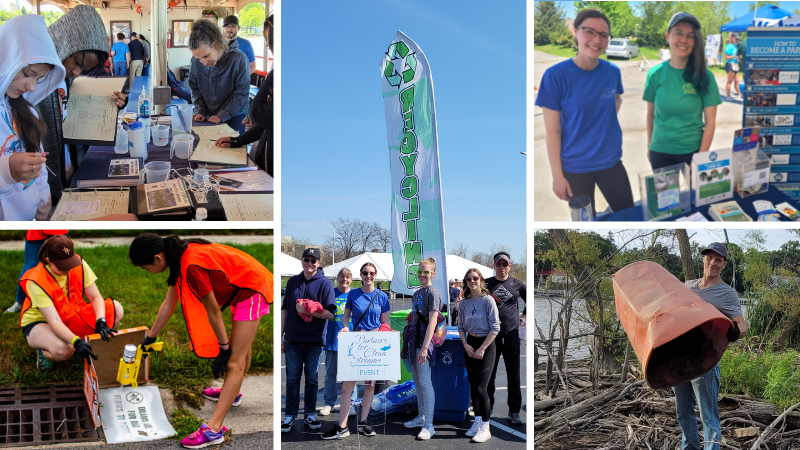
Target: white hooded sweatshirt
x=25, y=41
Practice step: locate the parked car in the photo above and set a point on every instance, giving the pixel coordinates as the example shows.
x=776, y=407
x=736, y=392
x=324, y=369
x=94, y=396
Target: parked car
x=623, y=48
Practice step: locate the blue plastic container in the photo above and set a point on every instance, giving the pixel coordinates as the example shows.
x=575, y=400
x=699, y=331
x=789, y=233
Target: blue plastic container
x=450, y=381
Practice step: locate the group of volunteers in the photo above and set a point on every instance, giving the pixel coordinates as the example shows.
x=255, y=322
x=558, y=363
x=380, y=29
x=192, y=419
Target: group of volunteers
x=40, y=63
x=314, y=314
x=581, y=98
x=204, y=277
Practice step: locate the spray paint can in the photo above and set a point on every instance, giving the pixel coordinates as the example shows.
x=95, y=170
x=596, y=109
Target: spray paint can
x=130, y=354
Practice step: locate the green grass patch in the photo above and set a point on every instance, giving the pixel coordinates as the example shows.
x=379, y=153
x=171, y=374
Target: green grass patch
x=770, y=375
x=184, y=423
x=140, y=294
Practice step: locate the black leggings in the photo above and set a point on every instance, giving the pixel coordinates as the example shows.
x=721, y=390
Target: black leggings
x=509, y=347
x=478, y=373
x=613, y=183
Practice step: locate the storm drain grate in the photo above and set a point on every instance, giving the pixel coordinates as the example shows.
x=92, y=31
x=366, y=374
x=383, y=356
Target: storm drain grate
x=45, y=416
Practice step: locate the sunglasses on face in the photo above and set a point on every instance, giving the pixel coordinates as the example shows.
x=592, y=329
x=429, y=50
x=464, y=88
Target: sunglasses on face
x=501, y=264
x=310, y=260
x=468, y=279
x=424, y=272
x=368, y=274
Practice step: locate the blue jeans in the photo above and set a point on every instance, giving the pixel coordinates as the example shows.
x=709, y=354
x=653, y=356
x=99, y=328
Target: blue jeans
x=120, y=69
x=426, y=398
x=332, y=388
x=705, y=391
x=301, y=358
x=235, y=122
x=31, y=260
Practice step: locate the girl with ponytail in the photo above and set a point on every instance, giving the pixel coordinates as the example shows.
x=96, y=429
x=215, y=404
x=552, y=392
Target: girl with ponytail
x=207, y=278
x=682, y=97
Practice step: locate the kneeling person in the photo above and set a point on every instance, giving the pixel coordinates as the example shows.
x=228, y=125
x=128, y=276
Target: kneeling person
x=54, y=315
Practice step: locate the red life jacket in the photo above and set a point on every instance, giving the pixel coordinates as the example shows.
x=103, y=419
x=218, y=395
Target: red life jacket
x=241, y=270
x=74, y=311
x=40, y=235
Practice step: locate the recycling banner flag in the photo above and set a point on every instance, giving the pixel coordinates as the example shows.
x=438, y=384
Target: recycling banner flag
x=417, y=221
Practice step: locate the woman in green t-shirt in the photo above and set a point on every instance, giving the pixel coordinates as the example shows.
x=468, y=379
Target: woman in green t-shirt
x=682, y=97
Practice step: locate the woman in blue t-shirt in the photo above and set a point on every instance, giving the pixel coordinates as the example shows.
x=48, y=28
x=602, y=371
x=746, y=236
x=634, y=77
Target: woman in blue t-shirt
x=370, y=310
x=580, y=99
x=732, y=66
x=333, y=326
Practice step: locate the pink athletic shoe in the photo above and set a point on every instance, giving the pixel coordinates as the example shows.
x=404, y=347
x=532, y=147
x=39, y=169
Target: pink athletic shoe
x=212, y=394
x=204, y=437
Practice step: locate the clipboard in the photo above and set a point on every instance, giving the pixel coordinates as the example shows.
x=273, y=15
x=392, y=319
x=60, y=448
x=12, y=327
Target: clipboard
x=85, y=113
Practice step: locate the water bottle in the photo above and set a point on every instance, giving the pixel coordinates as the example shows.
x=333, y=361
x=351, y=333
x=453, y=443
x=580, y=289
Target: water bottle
x=136, y=143
x=122, y=139
x=200, y=215
x=144, y=104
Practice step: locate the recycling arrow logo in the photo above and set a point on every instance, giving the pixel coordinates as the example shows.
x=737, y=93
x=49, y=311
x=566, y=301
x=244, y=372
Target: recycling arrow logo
x=400, y=56
x=447, y=358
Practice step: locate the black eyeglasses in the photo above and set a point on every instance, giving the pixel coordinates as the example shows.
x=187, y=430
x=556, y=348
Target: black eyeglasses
x=310, y=260
x=591, y=33
x=369, y=274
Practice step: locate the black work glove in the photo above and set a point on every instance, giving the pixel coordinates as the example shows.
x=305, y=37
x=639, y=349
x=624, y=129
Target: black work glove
x=218, y=366
x=83, y=349
x=102, y=328
x=147, y=341
x=733, y=332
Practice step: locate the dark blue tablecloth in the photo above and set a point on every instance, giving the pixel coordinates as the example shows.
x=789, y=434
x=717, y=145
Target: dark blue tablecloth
x=773, y=195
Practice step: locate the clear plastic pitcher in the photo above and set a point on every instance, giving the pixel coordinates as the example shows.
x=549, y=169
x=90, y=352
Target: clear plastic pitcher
x=154, y=172
x=182, y=119
x=182, y=146
x=160, y=135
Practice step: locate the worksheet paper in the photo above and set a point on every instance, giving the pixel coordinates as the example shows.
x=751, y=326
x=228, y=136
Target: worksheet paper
x=215, y=132
x=89, y=205
x=247, y=207
x=206, y=151
x=92, y=114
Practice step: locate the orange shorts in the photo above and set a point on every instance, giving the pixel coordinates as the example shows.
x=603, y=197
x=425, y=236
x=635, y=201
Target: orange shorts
x=251, y=309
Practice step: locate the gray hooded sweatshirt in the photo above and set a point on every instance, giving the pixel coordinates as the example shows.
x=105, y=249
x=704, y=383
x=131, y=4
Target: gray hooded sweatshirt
x=222, y=90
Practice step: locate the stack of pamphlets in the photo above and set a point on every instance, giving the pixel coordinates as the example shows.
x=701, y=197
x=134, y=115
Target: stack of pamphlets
x=728, y=212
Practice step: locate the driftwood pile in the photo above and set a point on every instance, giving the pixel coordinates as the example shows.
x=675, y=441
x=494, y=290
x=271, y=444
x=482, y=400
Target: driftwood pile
x=630, y=415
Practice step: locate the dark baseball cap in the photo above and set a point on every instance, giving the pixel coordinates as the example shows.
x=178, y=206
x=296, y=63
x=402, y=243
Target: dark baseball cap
x=313, y=252
x=502, y=256
x=717, y=248
x=230, y=20
x=61, y=253
x=683, y=17
x=134, y=35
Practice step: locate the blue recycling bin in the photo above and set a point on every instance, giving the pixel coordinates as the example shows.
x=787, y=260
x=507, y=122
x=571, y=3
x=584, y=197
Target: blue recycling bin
x=450, y=381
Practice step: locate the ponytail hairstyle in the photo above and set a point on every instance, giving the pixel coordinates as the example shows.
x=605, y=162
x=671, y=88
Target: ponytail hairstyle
x=146, y=246
x=43, y=250
x=430, y=261
x=696, y=70
x=28, y=126
x=482, y=289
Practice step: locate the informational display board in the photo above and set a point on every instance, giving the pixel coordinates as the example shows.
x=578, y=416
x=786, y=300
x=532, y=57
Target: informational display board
x=771, y=100
x=368, y=355
x=133, y=414
x=712, y=49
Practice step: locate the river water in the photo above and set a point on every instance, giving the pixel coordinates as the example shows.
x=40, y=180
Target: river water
x=543, y=306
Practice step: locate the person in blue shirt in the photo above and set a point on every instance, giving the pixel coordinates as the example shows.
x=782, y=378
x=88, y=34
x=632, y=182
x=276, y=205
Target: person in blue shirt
x=121, y=56
x=580, y=99
x=230, y=27
x=343, y=279
x=370, y=310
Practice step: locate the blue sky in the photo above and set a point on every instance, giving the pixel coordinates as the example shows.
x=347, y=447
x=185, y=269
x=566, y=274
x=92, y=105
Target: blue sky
x=334, y=155
x=738, y=9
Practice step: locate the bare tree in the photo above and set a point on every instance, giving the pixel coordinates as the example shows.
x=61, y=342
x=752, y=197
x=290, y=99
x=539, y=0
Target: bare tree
x=384, y=239
x=460, y=249
x=294, y=246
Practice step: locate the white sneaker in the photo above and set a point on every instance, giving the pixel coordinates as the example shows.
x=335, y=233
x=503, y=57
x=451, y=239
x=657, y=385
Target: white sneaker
x=476, y=425
x=326, y=410
x=483, y=434
x=426, y=433
x=416, y=422
x=14, y=308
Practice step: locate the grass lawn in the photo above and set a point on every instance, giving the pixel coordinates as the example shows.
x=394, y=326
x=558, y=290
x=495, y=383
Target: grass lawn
x=140, y=294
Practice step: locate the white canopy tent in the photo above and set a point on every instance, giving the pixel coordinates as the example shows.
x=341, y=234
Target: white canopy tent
x=290, y=266
x=456, y=266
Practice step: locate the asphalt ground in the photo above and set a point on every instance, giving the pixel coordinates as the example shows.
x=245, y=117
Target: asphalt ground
x=632, y=119
x=252, y=441
x=449, y=435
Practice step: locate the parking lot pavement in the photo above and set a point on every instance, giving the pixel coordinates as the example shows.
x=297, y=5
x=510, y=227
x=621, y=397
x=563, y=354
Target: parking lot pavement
x=632, y=120
x=392, y=434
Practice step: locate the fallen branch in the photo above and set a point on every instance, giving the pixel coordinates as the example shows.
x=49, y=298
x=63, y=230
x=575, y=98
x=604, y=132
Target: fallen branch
x=760, y=440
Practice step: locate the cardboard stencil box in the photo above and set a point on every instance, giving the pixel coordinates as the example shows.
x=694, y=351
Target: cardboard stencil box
x=103, y=372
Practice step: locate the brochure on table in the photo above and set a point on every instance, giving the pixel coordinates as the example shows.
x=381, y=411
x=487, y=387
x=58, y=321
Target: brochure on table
x=665, y=192
x=712, y=177
x=771, y=100
x=750, y=165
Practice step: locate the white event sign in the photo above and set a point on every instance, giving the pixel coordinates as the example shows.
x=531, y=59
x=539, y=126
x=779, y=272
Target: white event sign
x=133, y=414
x=368, y=355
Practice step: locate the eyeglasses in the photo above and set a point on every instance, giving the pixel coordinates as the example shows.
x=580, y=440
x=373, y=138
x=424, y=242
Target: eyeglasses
x=472, y=279
x=591, y=33
x=369, y=274
x=424, y=272
x=501, y=264
x=679, y=34
x=310, y=260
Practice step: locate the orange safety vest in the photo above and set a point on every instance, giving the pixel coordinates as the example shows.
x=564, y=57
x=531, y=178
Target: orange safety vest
x=74, y=311
x=242, y=271
x=39, y=235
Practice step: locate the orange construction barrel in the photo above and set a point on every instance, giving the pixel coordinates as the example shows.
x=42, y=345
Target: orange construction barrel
x=676, y=335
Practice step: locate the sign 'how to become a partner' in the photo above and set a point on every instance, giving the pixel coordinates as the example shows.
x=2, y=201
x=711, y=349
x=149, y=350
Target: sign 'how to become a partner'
x=370, y=355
